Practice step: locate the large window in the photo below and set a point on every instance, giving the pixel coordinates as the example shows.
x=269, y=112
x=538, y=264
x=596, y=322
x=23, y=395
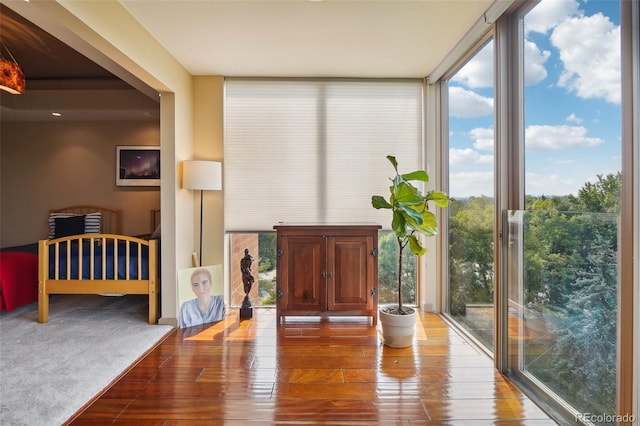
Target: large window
x=471, y=213
x=564, y=302
x=315, y=151
x=564, y=247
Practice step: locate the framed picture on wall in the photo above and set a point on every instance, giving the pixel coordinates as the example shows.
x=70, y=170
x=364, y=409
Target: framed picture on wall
x=138, y=165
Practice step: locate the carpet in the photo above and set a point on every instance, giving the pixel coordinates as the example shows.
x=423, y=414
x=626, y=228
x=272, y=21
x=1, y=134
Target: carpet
x=49, y=371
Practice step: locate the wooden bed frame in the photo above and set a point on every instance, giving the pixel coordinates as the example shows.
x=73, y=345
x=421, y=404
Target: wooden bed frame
x=59, y=284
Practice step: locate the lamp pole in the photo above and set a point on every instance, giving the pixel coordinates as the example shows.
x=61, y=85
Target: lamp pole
x=201, y=222
x=199, y=175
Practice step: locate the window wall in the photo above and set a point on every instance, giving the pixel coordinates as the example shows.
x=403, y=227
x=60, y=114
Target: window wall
x=560, y=323
x=314, y=150
x=470, y=94
x=564, y=245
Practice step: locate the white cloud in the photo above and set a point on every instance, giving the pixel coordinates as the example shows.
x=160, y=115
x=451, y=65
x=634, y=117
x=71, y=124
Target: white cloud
x=534, y=60
x=553, y=184
x=572, y=118
x=590, y=52
x=549, y=13
x=546, y=138
x=460, y=159
x=462, y=185
x=484, y=139
x=478, y=72
x=467, y=104
x=562, y=162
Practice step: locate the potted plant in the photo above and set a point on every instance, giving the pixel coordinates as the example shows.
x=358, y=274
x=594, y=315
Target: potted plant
x=410, y=217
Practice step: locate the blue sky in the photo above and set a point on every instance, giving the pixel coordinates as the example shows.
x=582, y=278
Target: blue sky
x=572, y=102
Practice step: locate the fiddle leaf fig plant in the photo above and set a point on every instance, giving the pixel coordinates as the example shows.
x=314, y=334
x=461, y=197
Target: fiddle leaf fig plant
x=410, y=215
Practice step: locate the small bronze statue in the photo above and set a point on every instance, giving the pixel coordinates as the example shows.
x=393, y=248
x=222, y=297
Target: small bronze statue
x=246, y=310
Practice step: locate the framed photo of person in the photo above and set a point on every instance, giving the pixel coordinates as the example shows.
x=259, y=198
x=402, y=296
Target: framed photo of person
x=200, y=295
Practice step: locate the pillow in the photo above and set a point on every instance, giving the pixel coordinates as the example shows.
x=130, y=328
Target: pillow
x=156, y=233
x=66, y=226
x=92, y=222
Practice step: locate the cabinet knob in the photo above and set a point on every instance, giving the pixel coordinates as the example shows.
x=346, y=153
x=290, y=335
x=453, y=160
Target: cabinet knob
x=374, y=293
x=374, y=253
x=280, y=293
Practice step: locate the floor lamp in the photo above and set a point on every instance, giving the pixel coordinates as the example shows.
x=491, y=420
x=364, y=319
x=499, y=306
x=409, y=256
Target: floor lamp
x=201, y=176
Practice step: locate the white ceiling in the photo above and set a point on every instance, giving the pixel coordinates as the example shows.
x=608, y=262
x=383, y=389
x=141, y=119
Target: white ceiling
x=259, y=38
x=301, y=38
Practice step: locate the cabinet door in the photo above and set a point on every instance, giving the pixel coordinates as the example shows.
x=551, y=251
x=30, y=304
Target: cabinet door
x=350, y=273
x=303, y=264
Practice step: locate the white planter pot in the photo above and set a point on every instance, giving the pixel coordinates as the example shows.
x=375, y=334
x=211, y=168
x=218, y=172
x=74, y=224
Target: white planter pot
x=397, y=330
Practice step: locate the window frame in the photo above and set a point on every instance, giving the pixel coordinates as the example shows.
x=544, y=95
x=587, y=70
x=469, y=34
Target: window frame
x=509, y=180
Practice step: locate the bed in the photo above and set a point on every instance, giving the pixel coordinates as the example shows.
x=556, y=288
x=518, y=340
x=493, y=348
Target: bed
x=18, y=276
x=100, y=261
x=19, y=264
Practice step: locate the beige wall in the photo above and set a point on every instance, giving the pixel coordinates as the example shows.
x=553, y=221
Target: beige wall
x=208, y=145
x=47, y=165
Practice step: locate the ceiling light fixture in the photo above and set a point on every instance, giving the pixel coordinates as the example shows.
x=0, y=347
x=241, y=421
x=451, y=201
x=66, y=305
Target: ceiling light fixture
x=11, y=75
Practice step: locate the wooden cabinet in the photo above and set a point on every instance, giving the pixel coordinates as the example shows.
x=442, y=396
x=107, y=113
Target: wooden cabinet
x=327, y=270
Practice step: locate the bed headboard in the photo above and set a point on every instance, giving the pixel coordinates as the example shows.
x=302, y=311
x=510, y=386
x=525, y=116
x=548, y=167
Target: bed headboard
x=111, y=218
x=155, y=219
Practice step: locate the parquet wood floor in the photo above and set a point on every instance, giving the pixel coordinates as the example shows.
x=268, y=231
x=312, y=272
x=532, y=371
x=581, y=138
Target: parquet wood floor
x=324, y=372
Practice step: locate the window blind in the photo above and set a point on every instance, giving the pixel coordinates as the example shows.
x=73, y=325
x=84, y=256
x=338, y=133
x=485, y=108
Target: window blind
x=314, y=151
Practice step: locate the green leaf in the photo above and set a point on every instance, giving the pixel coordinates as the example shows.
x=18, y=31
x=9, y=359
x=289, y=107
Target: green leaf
x=417, y=175
x=407, y=194
x=428, y=226
x=415, y=246
x=440, y=198
x=379, y=202
x=393, y=161
x=399, y=225
x=412, y=215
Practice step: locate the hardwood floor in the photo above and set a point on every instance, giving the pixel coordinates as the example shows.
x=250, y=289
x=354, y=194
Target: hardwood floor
x=326, y=372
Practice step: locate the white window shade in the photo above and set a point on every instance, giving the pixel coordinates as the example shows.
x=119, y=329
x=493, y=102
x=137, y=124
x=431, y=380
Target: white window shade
x=315, y=150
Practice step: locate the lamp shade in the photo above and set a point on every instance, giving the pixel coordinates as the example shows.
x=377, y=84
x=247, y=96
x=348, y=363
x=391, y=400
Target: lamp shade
x=201, y=175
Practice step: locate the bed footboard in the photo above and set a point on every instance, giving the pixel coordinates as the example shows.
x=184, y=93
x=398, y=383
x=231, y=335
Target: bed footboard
x=97, y=264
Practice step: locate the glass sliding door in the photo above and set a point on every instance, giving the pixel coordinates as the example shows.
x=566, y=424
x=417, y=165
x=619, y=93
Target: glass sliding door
x=471, y=185
x=563, y=248
x=562, y=319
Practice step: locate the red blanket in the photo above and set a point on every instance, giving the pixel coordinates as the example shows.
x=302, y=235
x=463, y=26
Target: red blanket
x=18, y=279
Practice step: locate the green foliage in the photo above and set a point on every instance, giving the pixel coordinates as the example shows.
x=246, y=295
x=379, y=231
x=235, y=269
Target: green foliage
x=410, y=214
x=267, y=292
x=570, y=284
x=266, y=251
x=470, y=253
x=601, y=196
x=388, y=271
x=580, y=363
x=266, y=264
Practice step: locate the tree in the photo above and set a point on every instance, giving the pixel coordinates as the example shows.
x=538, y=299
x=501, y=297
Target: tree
x=602, y=195
x=571, y=280
x=583, y=359
x=470, y=253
